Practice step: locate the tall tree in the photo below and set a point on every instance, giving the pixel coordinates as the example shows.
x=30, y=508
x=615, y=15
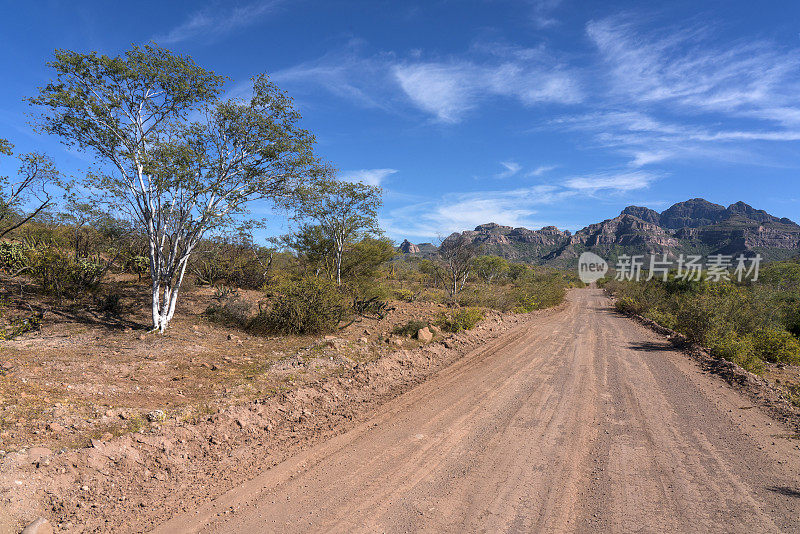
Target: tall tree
x=177, y=178
x=488, y=268
x=36, y=173
x=343, y=211
x=458, y=254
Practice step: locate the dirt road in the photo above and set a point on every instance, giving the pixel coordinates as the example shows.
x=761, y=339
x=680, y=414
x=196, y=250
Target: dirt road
x=581, y=421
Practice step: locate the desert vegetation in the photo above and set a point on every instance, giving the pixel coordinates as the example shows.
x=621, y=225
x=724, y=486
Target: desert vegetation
x=752, y=324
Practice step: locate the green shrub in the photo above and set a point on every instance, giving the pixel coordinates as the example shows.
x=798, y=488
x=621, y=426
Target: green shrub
x=409, y=329
x=13, y=257
x=629, y=305
x=464, y=319
x=406, y=295
x=775, y=345
x=306, y=306
x=59, y=274
x=738, y=349
x=664, y=318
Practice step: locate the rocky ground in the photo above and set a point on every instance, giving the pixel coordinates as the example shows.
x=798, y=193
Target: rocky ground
x=100, y=422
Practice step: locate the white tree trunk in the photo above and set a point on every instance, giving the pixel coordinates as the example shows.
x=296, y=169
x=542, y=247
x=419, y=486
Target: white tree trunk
x=339, y=253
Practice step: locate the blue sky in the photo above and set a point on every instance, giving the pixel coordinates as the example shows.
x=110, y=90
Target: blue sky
x=527, y=113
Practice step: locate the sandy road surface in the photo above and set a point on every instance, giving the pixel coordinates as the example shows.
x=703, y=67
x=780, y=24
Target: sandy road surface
x=581, y=421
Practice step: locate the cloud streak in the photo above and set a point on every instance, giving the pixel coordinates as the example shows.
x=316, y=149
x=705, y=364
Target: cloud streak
x=217, y=23
x=514, y=207
x=449, y=90
x=368, y=176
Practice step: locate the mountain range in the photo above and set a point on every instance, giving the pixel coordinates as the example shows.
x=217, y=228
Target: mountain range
x=695, y=226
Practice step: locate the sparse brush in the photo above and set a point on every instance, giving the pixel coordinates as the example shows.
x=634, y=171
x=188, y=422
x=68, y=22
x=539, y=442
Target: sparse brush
x=464, y=319
x=410, y=328
x=306, y=306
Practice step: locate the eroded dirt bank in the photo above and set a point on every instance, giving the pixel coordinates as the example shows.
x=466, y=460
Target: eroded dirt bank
x=133, y=482
x=576, y=421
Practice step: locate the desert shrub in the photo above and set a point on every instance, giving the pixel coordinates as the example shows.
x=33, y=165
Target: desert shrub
x=664, y=318
x=628, y=305
x=228, y=307
x=58, y=273
x=739, y=350
x=20, y=325
x=374, y=308
x=474, y=296
x=433, y=295
x=13, y=257
x=749, y=324
x=16, y=326
x=406, y=295
x=775, y=345
x=410, y=328
x=306, y=306
x=463, y=319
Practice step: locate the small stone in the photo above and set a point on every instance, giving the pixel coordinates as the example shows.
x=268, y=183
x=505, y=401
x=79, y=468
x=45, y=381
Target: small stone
x=84, y=488
x=363, y=340
x=40, y=526
x=425, y=335
x=232, y=337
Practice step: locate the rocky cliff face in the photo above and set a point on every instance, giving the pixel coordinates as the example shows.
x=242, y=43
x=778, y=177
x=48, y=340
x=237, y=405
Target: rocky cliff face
x=407, y=247
x=695, y=226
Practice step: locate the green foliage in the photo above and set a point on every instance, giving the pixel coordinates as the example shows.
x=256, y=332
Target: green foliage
x=410, y=328
x=306, y=306
x=60, y=274
x=749, y=324
x=536, y=290
x=490, y=268
x=13, y=257
x=463, y=319
x=516, y=270
x=341, y=212
x=776, y=346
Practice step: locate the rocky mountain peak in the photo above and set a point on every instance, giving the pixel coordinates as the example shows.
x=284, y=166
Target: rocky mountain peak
x=407, y=247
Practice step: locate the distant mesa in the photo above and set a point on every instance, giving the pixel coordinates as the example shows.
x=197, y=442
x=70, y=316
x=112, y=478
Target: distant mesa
x=695, y=226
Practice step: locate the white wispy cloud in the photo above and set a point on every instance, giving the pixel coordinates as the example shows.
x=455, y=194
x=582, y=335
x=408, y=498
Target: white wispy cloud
x=367, y=176
x=460, y=211
x=510, y=169
x=542, y=12
x=514, y=207
x=217, y=22
x=541, y=170
x=613, y=182
x=685, y=68
x=647, y=140
x=449, y=90
x=361, y=79
x=446, y=89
